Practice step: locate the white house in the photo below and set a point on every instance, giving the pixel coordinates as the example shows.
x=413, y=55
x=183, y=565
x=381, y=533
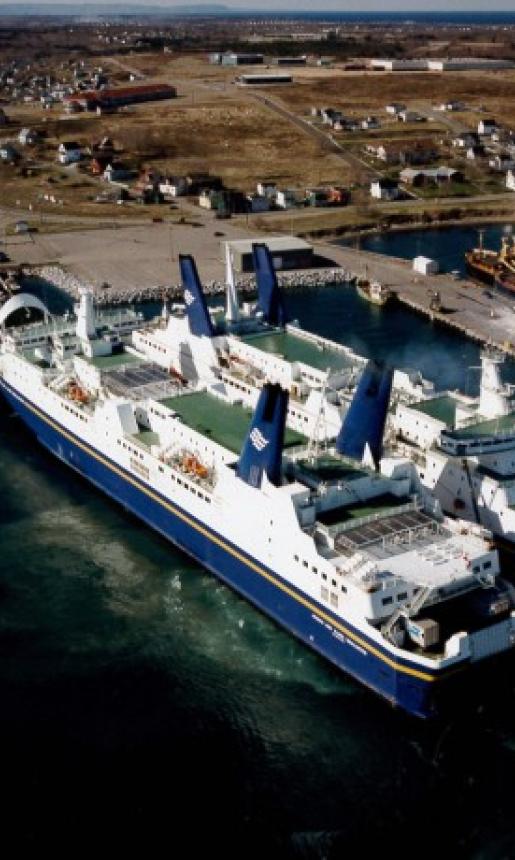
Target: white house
x=384, y=189
x=510, y=180
x=408, y=116
x=267, y=189
x=502, y=163
x=286, y=199
x=173, y=186
x=487, y=126
x=370, y=122
x=395, y=108
x=69, y=152
x=28, y=136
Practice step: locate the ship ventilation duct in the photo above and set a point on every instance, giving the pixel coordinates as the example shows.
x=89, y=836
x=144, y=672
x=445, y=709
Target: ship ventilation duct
x=364, y=423
x=270, y=300
x=194, y=298
x=262, y=449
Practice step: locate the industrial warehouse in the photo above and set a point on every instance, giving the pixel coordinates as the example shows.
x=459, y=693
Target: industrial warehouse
x=288, y=252
x=114, y=98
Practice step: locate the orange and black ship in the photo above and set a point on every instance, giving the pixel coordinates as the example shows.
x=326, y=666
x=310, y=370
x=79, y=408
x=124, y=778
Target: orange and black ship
x=495, y=268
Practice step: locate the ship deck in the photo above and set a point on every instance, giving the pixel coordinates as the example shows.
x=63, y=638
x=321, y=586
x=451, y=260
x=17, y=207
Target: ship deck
x=294, y=348
x=440, y=408
x=110, y=362
x=224, y=423
x=487, y=428
x=384, y=504
x=329, y=469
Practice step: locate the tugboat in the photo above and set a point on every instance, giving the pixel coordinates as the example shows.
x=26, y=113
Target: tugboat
x=373, y=291
x=495, y=268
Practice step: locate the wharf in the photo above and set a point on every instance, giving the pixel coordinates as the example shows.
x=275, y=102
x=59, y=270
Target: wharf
x=470, y=309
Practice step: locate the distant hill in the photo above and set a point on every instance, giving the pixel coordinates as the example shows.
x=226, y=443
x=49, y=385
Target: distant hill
x=84, y=10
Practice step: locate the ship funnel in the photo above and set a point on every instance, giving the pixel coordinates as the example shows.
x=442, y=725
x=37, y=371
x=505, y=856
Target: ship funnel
x=362, y=429
x=194, y=298
x=262, y=449
x=270, y=300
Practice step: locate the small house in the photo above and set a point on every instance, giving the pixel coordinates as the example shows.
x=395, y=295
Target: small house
x=69, y=152
x=384, y=189
x=395, y=108
x=173, y=186
x=28, y=137
x=502, y=163
x=267, y=189
x=8, y=153
x=117, y=172
x=487, y=127
x=510, y=180
x=370, y=123
x=258, y=203
x=465, y=140
x=286, y=199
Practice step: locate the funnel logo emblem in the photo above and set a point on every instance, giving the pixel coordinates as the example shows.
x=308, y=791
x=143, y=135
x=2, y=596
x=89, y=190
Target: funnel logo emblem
x=189, y=298
x=258, y=440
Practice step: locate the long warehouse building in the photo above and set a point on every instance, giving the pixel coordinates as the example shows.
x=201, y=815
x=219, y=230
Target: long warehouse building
x=113, y=98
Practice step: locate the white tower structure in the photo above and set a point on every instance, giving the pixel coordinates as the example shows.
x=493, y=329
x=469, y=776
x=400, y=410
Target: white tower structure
x=232, y=312
x=85, y=315
x=494, y=396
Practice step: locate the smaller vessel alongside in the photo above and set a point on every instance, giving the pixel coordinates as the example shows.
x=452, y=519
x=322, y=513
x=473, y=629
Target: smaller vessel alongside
x=374, y=292
x=495, y=268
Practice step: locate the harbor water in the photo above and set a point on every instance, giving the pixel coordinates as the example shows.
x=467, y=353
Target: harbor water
x=143, y=704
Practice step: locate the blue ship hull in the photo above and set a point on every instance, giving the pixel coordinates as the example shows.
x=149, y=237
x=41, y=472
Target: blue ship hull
x=402, y=683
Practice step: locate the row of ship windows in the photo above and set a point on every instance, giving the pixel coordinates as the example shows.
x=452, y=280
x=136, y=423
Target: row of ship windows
x=298, y=415
x=315, y=571
x=74, y=412
x=237, y=385
x=153, y=345
x=128, y=448
x=187, y=486
x=403, y=595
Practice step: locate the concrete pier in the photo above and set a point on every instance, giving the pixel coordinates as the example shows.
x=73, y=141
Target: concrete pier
x=480, y=313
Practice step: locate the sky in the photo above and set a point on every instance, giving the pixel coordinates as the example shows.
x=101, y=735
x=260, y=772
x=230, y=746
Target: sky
x=325, y=5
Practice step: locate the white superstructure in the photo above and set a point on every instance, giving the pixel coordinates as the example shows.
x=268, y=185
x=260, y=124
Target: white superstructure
x=464, y=448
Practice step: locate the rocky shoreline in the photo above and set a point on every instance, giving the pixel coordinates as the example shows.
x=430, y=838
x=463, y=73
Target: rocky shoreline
x=70, y=285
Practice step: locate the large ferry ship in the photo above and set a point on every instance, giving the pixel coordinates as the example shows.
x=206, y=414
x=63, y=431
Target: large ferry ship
x=271, y=474
x=495, y=268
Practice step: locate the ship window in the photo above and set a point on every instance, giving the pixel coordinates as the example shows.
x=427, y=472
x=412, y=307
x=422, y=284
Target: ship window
x=487, y=565
x=333, y=583
x=386, y=601
x=344, y=589
x=296, y=557
x=324, y=576
x=402, y=595
x=476, y=568
x=305, y=564
x=161, y=469
x=314, y=569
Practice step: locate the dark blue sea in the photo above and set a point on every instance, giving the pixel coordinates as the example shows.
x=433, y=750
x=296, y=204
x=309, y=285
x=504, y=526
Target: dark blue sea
x=145, y=708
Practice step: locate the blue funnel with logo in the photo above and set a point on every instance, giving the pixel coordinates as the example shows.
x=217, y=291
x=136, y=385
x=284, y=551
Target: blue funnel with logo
x=194, y=298
x=262, y=449
x=365, y=420
x=270, y=300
